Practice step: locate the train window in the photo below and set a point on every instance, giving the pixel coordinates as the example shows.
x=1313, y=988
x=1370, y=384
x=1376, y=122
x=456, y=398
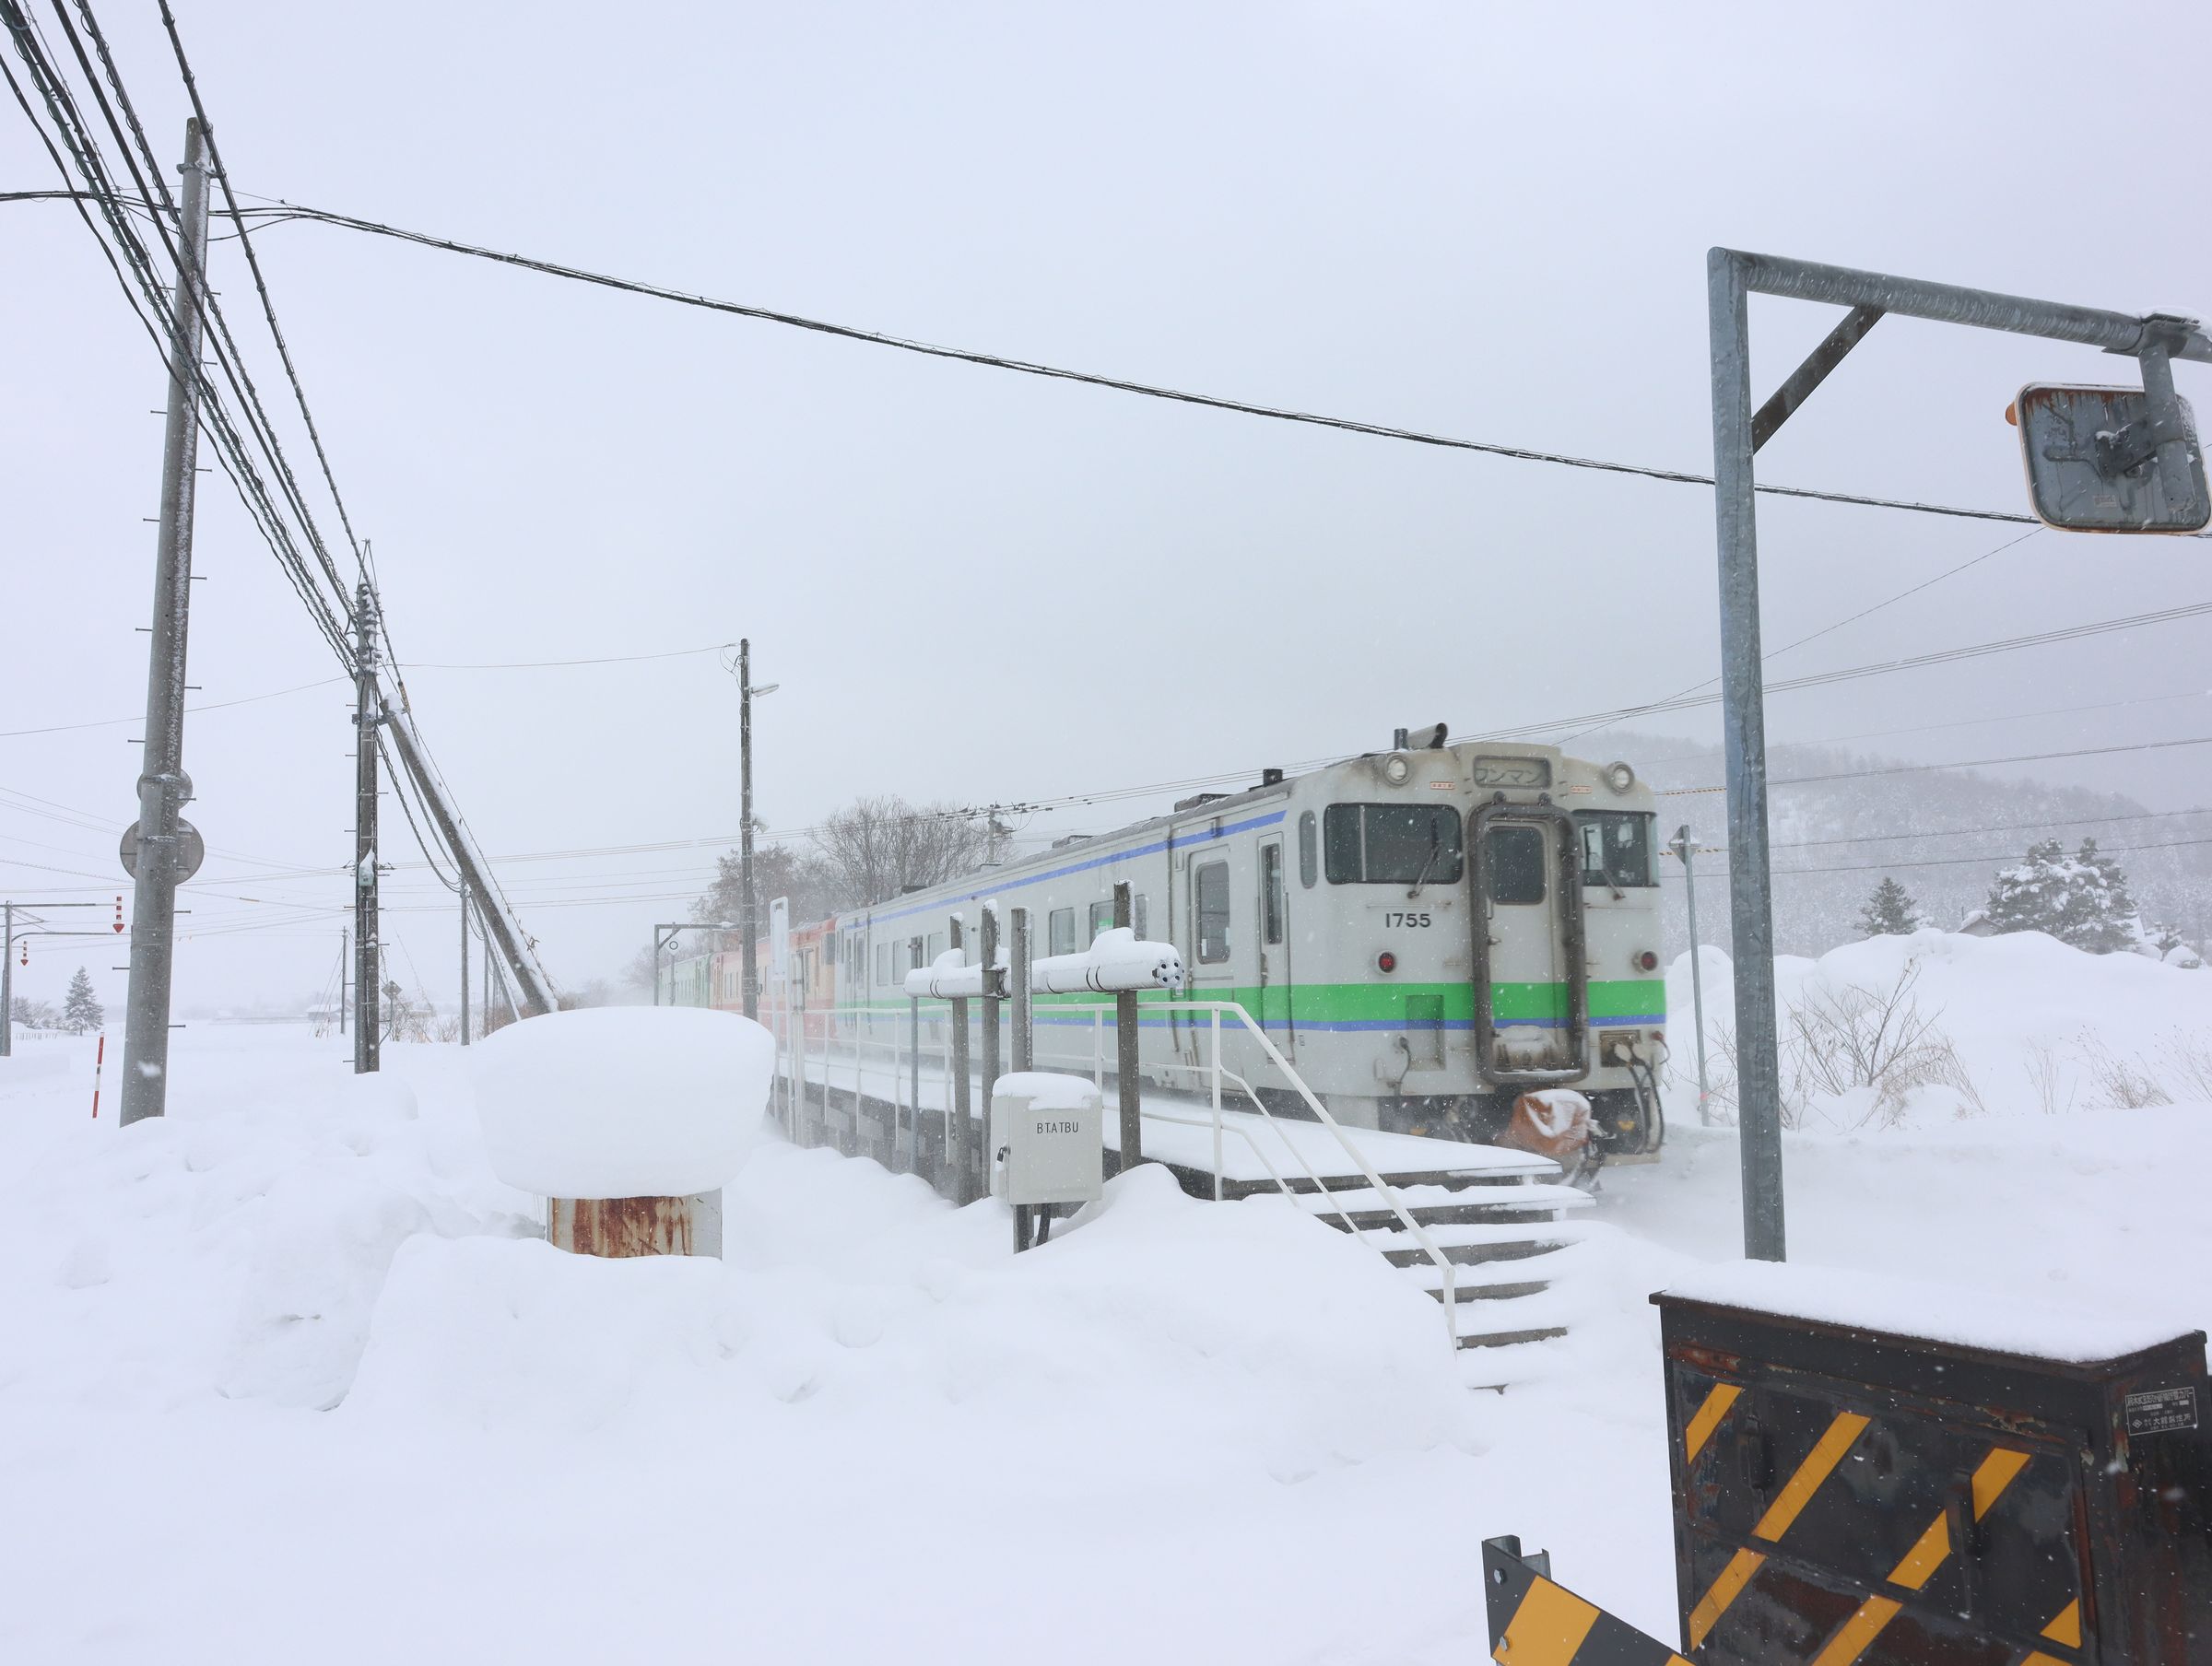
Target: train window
x=1140, y=913
x=1392, y=844
x=937, y=947
x=1060, y=932
x=1102, y=918
x=914, y=949
x=1516, y=861
x=1271, y=892
x=1617, y=848
x=1209, y=907
x=1309, y=850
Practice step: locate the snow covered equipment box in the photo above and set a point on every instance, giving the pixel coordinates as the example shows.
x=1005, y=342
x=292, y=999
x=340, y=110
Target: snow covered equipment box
x=1047, y=1140
x=1901, y=1475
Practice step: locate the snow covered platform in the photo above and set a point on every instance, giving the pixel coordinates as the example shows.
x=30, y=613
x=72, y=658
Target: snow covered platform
x=1470, y=1205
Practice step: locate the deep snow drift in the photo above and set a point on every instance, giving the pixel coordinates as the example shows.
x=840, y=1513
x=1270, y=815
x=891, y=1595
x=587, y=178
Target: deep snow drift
x=285, y=1374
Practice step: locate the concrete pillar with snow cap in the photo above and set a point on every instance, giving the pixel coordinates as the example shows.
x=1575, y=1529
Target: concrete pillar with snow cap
x=627, y=1120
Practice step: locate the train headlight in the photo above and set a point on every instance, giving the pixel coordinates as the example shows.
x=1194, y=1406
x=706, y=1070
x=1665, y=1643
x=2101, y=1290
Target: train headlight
x=1395, y=768
x=1619, y=776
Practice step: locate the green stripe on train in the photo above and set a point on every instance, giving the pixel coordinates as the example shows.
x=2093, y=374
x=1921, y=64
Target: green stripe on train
x=1610, y=1000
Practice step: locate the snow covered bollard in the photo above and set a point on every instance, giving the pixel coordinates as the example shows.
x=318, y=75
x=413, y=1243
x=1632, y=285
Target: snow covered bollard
x=627, y=1120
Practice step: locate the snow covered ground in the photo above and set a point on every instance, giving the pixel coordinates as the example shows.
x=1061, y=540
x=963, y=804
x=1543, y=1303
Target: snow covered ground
x=285, y=1375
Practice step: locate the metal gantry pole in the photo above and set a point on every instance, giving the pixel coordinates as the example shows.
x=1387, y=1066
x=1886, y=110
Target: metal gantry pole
x=1732, y=277
x=163, y=787
x=1744, y=744
x=1686, y=849
x=367, y=1019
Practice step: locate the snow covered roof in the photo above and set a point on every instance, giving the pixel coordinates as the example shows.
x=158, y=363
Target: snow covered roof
x=1915, y=1308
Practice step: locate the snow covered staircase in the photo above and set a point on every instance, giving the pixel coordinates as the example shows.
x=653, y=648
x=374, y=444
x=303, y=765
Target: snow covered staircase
x=1498, y=1231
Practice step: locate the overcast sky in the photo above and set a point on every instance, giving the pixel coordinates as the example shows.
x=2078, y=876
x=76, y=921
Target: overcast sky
x=1485, y=221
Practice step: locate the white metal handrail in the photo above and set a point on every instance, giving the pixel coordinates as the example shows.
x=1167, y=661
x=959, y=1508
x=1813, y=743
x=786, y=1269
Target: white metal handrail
x=1320, y=1112
x=1381, y=1187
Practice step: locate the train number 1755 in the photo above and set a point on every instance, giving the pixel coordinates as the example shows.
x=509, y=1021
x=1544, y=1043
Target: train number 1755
x=1392, y=920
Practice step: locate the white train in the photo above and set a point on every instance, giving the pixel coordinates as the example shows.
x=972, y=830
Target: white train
x=1426, y=932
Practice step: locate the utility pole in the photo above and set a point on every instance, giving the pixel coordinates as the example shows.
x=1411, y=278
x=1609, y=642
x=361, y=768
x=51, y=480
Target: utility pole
x=465, y=963
x=748, y=915
x=367, y=946
x=7, y=979
x=1685, y=849
x=163, y=787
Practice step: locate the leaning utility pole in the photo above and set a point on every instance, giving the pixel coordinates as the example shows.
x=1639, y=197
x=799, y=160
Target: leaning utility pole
x=163, y=787
x=367, y=944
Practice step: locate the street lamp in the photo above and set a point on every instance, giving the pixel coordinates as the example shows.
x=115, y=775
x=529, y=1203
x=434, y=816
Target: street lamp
x=748, y=924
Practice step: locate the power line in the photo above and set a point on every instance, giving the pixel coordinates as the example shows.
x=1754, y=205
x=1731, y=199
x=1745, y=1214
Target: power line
x=618, y=659
x=1969, y=763
x=1948, y=862
x=295, y=211
x=111, y=722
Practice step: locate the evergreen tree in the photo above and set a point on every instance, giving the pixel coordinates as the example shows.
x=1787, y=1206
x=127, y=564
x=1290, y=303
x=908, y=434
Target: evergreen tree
x=1890, y=912
x=81, y=1012
x=2080, y=899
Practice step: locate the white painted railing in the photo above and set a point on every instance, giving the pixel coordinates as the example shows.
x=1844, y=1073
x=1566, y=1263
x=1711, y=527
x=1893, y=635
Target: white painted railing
x=1215, y=1071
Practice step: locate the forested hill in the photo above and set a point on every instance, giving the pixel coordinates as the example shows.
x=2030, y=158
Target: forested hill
x=1942, y=834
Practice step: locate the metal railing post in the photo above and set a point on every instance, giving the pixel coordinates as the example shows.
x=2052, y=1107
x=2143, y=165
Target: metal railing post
x=1217, y=1026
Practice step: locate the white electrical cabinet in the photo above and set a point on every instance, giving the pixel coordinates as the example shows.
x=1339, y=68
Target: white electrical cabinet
x=1047, y=1139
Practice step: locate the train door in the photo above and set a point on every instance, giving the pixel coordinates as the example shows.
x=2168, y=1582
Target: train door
x=1274, y=1008
x=1531, y=988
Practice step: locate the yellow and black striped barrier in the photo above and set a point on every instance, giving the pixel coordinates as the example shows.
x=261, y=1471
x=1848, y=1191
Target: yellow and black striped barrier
x=1852, y=1498
x=1536, y=1623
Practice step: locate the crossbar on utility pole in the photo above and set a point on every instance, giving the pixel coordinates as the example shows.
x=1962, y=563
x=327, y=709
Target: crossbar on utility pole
x=163, y=787
x=1732, y=277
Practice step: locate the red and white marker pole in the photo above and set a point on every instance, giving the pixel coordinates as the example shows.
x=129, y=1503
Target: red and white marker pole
x=100, y=1058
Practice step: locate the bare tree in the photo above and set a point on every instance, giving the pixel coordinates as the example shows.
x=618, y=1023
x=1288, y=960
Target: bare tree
x=876, y=847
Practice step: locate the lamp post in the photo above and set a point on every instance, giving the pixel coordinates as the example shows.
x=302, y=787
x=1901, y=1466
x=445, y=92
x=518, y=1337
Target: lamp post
x=747, y=919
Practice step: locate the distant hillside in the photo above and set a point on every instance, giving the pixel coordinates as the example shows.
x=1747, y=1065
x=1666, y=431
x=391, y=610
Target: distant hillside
x=1942, y=833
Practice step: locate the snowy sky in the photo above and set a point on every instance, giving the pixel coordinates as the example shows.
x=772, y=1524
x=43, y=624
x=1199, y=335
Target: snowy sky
x=1486, y=221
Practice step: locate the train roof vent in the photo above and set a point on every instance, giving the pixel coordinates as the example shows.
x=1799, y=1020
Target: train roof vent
x=1073, y=838
x=1197, y=799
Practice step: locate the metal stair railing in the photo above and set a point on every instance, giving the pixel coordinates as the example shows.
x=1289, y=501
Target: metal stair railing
x=1321, y=1113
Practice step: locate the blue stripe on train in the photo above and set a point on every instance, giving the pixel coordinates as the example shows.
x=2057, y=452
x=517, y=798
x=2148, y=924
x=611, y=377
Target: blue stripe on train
x=1107, y=860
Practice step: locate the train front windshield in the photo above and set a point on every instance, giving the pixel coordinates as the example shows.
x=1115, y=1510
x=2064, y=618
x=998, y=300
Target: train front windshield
x=1617, y=848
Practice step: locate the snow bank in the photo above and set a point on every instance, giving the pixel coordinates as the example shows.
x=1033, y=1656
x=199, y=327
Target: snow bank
x=2033, y=1027
x=623, y=1101
x=1922, y=1308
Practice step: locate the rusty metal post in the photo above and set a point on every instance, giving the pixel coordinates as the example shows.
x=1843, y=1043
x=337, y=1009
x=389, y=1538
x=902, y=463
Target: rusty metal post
x=959, y=1156
x=1124, y=1048
x=636, y=1225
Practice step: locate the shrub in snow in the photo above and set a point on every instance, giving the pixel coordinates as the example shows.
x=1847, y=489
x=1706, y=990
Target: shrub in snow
x=1890, y=912
x=2081, y=899
x=619, y=1101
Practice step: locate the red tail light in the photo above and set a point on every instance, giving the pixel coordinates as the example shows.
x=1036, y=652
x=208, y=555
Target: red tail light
x=1386, y=962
